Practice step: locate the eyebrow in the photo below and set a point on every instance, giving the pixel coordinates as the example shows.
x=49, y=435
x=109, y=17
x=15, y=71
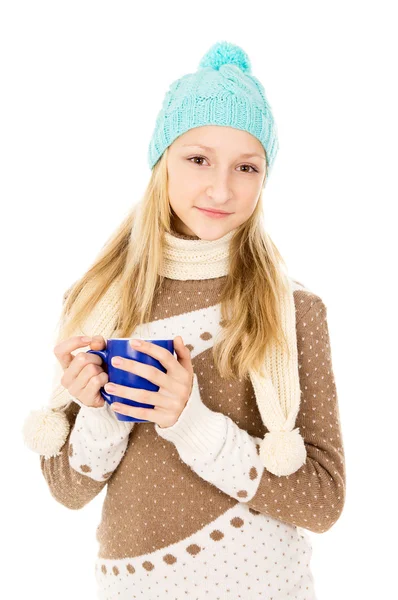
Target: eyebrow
x=208, y=149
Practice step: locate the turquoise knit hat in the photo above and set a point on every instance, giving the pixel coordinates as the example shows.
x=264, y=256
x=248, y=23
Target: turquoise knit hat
x=222, y=92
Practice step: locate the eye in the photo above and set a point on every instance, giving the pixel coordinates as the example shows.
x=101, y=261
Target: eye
x=250, y=167
x=195, y=157
x=254, y=170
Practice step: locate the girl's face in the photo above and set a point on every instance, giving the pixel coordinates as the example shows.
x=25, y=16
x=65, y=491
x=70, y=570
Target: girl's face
x=214, y=167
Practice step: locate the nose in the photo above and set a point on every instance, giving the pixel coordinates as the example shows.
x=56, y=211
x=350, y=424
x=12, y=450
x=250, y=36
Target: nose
x=219, y=189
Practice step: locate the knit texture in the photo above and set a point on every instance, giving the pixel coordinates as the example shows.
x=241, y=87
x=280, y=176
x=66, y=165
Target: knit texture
x=202, y=259
x=223, y=91
x=277, y=389
x=190, y=510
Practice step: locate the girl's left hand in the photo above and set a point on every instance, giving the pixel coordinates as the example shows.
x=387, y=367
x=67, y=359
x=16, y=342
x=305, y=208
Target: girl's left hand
x=175, y=386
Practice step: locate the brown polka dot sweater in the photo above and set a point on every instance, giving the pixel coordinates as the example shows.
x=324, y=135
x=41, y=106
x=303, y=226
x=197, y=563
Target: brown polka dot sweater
x=189, y=511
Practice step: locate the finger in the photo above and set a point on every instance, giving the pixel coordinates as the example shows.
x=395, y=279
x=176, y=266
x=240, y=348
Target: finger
x=149, y=372
x=138, y=395
x=148, y=414
x=166, y=358
x=82, y=367
x=183, y=354
x=89, y=387
x=98, y=342
x=63, y=350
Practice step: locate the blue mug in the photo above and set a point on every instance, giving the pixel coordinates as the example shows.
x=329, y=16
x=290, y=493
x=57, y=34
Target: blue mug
x=122, y=347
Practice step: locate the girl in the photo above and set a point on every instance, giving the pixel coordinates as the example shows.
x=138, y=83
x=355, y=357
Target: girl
x=209, y=494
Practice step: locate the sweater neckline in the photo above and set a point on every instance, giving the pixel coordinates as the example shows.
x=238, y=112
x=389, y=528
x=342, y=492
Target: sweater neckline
x=189, y=257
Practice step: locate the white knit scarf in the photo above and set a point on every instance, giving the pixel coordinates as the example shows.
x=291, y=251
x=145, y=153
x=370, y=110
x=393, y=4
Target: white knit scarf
x=282, y=450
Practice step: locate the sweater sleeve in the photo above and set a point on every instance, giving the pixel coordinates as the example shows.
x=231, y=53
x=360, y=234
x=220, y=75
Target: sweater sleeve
x=225, y=455
x=95, y=445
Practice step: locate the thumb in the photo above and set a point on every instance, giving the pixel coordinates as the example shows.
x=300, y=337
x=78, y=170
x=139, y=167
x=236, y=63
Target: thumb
x=98, y=342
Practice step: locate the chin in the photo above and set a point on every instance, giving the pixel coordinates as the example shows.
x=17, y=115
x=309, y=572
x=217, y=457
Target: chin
x=210, y=231
x=211, y=234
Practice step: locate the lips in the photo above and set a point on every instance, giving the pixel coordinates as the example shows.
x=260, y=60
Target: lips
x=213, y=215
x=216, y=212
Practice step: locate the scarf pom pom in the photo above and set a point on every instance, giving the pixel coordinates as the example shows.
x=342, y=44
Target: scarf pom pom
x=45, y=431
x=283, y=452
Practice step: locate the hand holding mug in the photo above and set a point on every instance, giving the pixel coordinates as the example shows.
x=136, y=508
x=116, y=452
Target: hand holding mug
x=174, y=384
x=83, y=374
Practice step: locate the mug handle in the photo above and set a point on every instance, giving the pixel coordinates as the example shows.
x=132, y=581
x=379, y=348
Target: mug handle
x=104, y=355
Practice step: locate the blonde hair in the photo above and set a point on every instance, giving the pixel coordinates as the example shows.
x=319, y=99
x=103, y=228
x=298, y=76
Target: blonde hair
x=250, y=298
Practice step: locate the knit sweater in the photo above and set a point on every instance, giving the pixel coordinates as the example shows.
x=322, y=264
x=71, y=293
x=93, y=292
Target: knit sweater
x=190, y=510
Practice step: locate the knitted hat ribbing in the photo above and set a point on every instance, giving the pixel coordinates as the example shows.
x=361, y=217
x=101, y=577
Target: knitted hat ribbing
x=222, y=92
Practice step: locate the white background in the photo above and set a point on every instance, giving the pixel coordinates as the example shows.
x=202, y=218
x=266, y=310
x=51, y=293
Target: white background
x=81, y=85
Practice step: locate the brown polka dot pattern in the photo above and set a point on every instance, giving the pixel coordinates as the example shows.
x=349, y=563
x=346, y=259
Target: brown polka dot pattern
x=193, y=549
x=206, y=336
x=152, y=465
x=169, y=559
x=314, y=496
x=262, y=556
x=168, y=503
x=253, y=474
x=85, y=468
x=237, y=522
x=216, y=535
x=242, y=494
x=71, y=488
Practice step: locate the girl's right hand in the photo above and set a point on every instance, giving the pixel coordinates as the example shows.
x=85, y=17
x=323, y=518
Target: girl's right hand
x=83, y=374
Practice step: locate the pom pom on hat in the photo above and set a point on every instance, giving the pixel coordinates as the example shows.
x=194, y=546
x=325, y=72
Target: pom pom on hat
x=225, y=53
x=283, y=452
x=45, y=431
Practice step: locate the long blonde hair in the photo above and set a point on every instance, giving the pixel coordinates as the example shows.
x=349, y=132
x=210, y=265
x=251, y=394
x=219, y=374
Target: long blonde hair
x=250, y=298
